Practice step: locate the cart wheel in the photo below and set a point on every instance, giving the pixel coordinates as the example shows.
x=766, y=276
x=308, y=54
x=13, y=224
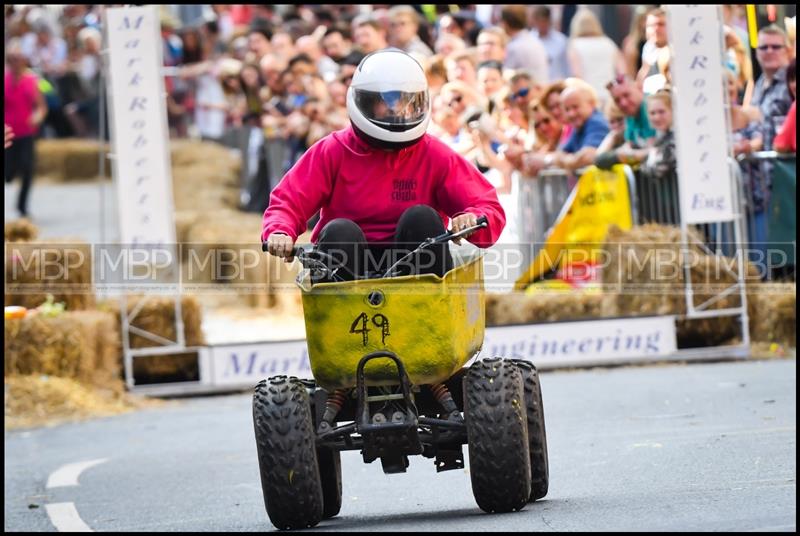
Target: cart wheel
x=330, y=472
x=497, y=431
x=537, y=437
x=287, y=456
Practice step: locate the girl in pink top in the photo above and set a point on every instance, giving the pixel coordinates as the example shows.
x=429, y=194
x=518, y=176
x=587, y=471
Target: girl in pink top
x=382, y=184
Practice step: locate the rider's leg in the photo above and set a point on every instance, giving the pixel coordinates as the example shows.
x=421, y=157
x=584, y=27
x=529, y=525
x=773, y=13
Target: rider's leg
x=343, y=240
x=417, y=224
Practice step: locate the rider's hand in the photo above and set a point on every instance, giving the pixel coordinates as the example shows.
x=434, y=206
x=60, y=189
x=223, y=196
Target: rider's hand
x=281, y=245
x=462, y=221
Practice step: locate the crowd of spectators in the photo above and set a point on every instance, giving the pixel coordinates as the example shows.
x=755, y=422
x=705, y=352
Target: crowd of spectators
x=514, y=88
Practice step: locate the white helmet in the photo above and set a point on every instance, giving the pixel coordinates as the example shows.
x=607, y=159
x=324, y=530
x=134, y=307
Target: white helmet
x=388, y=101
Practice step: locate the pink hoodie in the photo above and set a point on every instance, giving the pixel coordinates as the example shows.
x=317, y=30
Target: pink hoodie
x=346, y=178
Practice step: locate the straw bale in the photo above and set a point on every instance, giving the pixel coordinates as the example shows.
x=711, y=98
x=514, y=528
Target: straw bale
x=70, y=159
x=772, y=311
x=83, y=345
x=40, y=400
x=227, y=252
x=521, y=308
x=645, y=272
x=184, y=220
x=20, y=230
x=205, y=176
x=157, y=316
x=59, y=267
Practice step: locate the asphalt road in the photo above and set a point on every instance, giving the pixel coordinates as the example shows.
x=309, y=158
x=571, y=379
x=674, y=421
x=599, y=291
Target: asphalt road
x=707, y=447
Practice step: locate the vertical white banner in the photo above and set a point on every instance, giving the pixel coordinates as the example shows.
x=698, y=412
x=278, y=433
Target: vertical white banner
x=700, y=122
x=139, y=131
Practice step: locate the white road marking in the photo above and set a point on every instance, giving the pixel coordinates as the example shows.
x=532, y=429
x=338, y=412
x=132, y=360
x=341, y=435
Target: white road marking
x=65, y=518
x=68, y=475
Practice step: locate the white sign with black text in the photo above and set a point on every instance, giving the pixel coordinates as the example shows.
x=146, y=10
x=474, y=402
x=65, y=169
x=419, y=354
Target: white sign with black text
x=560, y=344
x=140, y=137
x=700, y=121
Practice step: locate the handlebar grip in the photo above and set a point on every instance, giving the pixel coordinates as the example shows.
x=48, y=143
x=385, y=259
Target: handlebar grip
x=296, y=250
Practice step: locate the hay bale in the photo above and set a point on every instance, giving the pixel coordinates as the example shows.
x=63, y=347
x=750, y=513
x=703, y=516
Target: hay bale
x=20, y=230
x=157, y=316
x=40, y=400
x=70, y=159
x=224, y=255
x=645, y=272
x=205, y=176
x=521, y=308
x=184, y=220
x=82, y=345
x=39, y=268
x=772, y=311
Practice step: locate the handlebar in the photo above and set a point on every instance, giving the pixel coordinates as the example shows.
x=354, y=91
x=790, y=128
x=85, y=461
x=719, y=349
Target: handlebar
x=307, y=256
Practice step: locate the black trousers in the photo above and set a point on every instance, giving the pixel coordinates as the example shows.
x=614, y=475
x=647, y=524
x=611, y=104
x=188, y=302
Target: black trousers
x=19, y=161
x=347, y=246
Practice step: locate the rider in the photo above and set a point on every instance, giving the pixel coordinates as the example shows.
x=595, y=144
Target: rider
x=382, y=184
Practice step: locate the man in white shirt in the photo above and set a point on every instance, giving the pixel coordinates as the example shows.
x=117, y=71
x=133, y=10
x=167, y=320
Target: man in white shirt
x=525, y=50
x=403, y=31
x=555, y=43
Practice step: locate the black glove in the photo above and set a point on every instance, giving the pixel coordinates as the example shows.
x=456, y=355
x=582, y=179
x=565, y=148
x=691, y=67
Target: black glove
x=606, y=160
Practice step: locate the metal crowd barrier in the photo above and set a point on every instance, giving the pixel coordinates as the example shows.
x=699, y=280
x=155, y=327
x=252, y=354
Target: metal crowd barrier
x=773, y=176
x=656, y=200
x=541, y=200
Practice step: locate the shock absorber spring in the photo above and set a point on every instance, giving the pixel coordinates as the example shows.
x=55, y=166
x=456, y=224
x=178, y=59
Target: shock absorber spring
x=443, y=397
x=334, y=404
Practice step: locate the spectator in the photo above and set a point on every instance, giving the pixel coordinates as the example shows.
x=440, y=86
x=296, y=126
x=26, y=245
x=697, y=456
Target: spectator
x=448, y=44
x=492, y=44
x=589, y=128
x=593, y=56
x=436, y=74
x=523, y=91
x=45, y=52
x=616, y=122
x=547, y=129
x=172, y=46
x=661, y=162
x=84, y=111
x=258, y=44
x=461, y=66
x=739, y=62
x=404, y=31
x=639, y=134
x=337, y=43
x=746, y=126
x=369, y=36
x=786, y=140
x=633, y=44
x=771, y=92
x=283, y=45
x=551, y=101
x=490, y=82
x=24, y=109
x=324, y=65
x=348, y=66
x=463, y=24
x=657, y=39
x=659, y=170
x=524, y=50
x=555, y=43
x=271, y=67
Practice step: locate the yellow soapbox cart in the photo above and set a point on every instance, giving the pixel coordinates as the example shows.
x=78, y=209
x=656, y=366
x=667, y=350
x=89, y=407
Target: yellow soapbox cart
x=388, y=358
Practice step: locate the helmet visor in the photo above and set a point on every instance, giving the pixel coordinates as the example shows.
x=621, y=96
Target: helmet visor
x=392, y=110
